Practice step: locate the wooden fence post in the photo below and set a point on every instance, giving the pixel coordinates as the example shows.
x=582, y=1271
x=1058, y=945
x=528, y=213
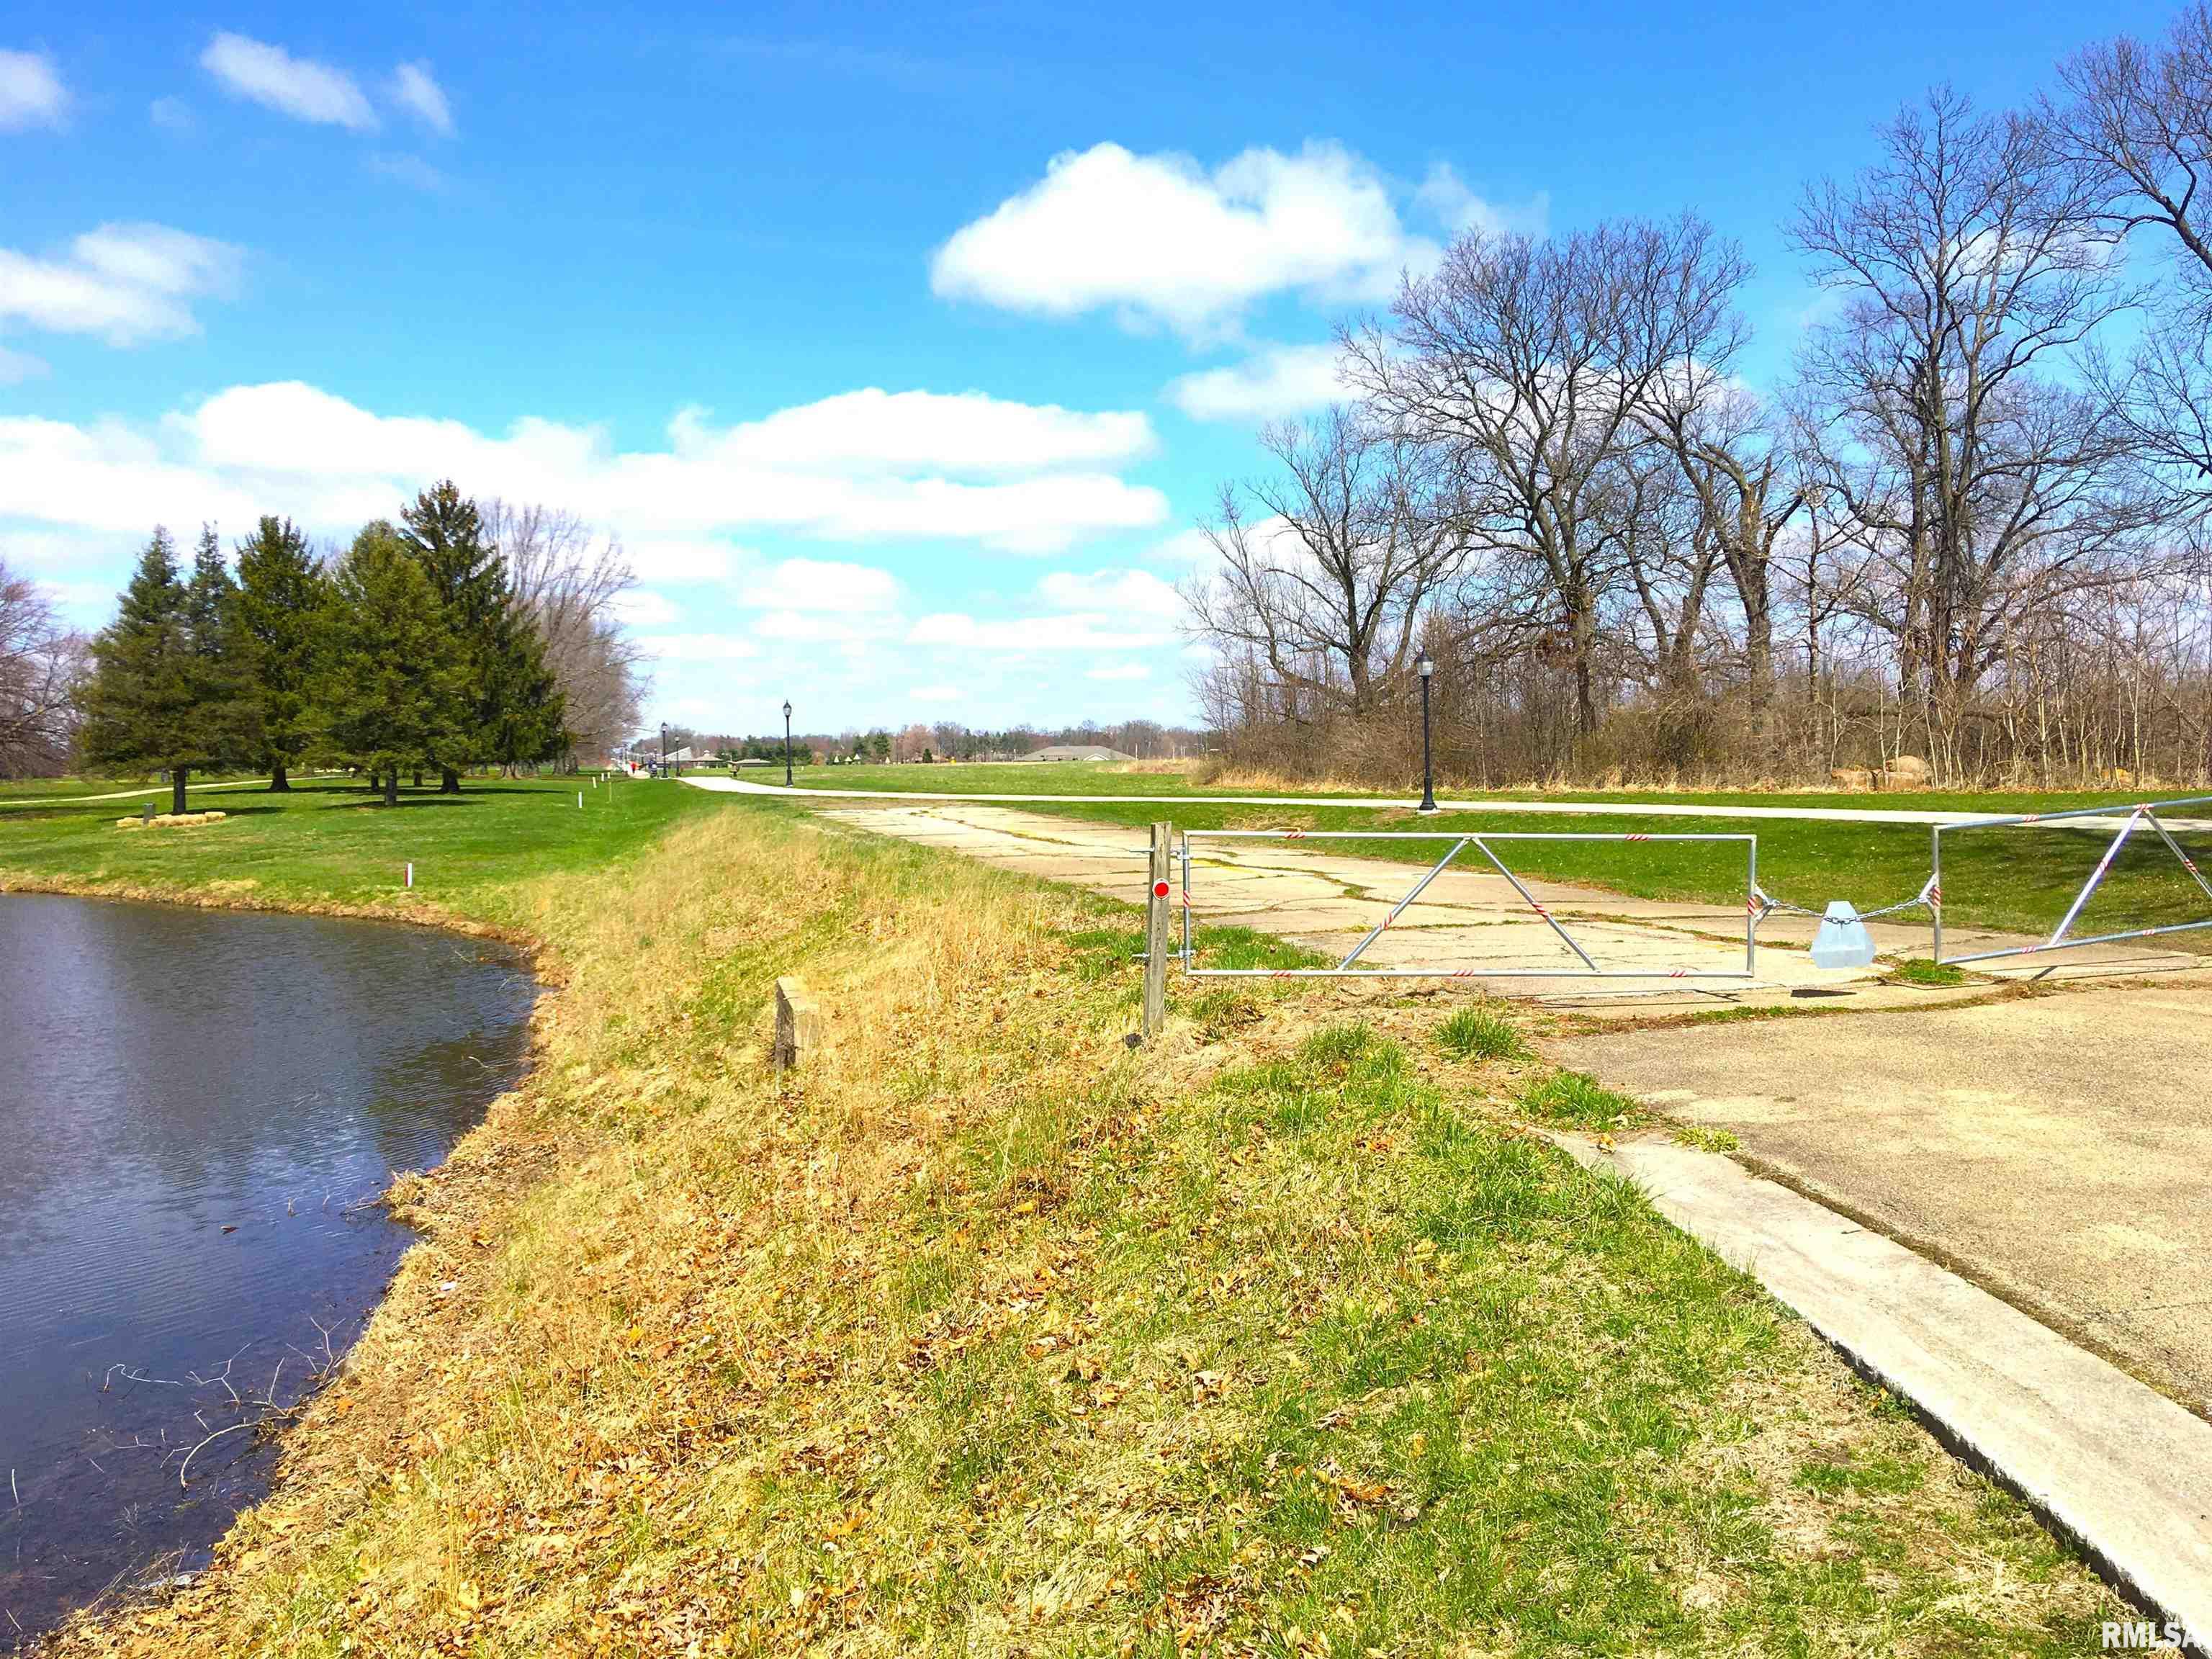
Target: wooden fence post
x=1159, y=887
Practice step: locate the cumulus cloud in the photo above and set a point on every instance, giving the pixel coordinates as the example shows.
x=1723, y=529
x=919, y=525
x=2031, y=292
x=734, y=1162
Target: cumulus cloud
x=298, y=87
x=820, y=585
x=1120, y=671
x=1278, y=381
x=31, y=92
x=935, y=693
x=417, y=92
x=331, y=464
x=699, y=647
x=1158, y=238
x=125, y=282
x=1121, y=594
x=1075, y=631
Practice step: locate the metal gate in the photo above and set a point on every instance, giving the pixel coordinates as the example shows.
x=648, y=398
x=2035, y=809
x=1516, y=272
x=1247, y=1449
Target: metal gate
x=1485, y=845
x=2132, y=818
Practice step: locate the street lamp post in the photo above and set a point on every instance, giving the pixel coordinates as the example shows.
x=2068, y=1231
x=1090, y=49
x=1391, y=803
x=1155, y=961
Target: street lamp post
x=664, y=748
x=787, y=742
x=1428, y=667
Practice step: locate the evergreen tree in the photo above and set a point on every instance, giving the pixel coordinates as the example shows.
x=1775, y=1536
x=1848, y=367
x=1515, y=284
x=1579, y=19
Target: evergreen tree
x=223, y=686
x=280, y=605
x=444, y=533
x=389, y=692
x=160, y=696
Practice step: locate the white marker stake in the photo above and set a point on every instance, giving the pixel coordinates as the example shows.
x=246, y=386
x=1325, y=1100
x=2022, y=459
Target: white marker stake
x=411, y=873
x=579, y=800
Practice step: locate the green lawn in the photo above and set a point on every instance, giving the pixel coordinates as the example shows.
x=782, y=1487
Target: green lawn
x=330, y=842
x=1088, y=778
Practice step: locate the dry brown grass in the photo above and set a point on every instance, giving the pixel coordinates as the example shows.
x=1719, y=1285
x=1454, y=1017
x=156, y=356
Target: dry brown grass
x=985, y=1335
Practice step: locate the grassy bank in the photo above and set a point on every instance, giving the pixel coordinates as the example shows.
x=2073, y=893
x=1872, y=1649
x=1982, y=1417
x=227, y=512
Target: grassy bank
x=986, y=1335
x=329, y=844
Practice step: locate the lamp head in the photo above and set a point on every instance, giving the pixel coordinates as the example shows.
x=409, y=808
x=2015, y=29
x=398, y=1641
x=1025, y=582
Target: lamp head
x=1426, y=664
x=786, y=708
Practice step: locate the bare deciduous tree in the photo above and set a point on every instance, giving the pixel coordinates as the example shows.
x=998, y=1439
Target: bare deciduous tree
x=1326, y=567
x=39, y=663
x=1525, y=362
x=1972, y=262
x=569, y=581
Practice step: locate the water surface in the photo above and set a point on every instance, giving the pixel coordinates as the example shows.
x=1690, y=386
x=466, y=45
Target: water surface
x=194, y=1107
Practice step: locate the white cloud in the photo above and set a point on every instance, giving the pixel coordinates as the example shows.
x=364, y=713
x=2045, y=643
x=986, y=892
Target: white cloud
x=331, y=464
x=1158, y=238
x=1186, y=549
x=31, y=92
x=936, y=693
x=414, y=90
x=1073, y=632
x=17, y=366
x=1121, y=593
x=409, y=170
x=298, y=87
x=820, y=585
x=699, y=647
x=125, y=283
x=1121, y=670
x=640, y=607
x=1276, y=381
x=1446, y=198
x=876, y=431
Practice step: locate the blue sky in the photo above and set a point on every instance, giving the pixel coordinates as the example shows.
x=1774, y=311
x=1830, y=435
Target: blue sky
x=902, y=347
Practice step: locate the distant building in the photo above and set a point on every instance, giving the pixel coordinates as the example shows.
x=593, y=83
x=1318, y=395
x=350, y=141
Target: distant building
x=1077, y=751
x=751, y=760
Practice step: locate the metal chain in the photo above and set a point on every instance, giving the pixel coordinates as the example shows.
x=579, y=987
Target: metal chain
x=1929, y=894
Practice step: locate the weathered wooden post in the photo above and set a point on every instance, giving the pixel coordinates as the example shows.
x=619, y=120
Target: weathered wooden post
x=1157, y=907
x=798, y=1023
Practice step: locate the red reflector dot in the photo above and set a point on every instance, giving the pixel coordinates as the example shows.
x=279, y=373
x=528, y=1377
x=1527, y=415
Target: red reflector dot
x=1159, y=890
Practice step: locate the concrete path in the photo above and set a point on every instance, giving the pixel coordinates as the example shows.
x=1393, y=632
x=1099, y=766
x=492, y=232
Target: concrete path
x=1478, y=804
x=2122, y=1470
x=2059, y=1149
x=190, y=789
x=1470, y=922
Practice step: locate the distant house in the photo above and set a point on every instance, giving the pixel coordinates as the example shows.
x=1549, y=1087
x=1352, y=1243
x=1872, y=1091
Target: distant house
x=751, y=760
x=1077, y=751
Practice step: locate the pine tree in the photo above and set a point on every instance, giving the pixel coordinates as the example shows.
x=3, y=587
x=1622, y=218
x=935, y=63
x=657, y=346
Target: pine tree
x=388, y=683
x=280, y=605
x=222, y=686
x=444, y=533
x=153, y=702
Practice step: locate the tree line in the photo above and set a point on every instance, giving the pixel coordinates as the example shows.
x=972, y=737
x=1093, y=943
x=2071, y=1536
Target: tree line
x=422, y=647
x=1970, y=524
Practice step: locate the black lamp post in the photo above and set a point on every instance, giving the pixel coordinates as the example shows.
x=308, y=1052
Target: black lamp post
x=787, y=742
x=664, y=748
x=1428, y=667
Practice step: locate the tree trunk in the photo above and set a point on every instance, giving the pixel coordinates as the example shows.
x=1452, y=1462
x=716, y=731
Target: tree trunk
x=449, y=782
x=278, y=783
x=177, y=777
x=418, y=777
x=392, y=787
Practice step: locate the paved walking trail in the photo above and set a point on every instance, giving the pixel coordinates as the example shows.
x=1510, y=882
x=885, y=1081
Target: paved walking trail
x=1470, y=921
x=1480, y=804
x=1980, y=1162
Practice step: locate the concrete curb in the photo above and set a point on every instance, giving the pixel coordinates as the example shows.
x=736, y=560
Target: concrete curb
x=2113, y=1466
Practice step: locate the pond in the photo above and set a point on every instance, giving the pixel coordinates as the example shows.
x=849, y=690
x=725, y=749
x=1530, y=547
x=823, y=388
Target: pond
x=197, y=1109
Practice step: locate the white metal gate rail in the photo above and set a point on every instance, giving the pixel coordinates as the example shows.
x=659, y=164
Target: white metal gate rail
x=1461, y=842
x=2145, y=812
